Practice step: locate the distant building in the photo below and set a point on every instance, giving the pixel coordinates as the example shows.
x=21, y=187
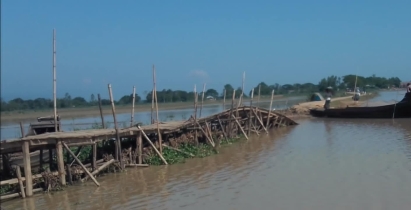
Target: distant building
x=210, y=98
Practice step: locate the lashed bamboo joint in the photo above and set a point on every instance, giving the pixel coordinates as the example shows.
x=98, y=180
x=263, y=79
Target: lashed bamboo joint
x=144, y=140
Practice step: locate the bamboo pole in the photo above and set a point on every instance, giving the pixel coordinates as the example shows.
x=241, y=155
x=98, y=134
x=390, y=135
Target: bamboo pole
x=132, y=109
x=118, y=144
x=224, y=99
x=21, y=130
x=78, y=154
x=258, y=102
x=60, y=162
x=94, y=161
x=81, y=144
x=101, y=111
x=70, y=177
x=15, y=195
x=259, y=120
x=271, y=107
x=152, y=106
x=259, y=95
x=195, y=113
x=137, y=165
x=81, y=164
x=158, y=121
x=18, y=173
x=231, y=112
x=140, y=147
x=250, y=119
x=205, y=134
x=54, y=81
x=239, y=125
x=50, y=158
x=242, y=91
x=202, y=98
x=222, y=128
x=41, y=159
x=209, y=132
x=27, y=169
x=102, y=167
x=195, y=102
x=154, y=147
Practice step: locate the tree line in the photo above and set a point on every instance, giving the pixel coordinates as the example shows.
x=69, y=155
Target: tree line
x=166, y=96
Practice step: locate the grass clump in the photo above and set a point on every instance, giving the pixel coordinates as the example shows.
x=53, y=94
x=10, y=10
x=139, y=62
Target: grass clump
x=173, y=156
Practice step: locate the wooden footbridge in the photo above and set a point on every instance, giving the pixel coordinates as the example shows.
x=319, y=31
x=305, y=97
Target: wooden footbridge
x=245, y=120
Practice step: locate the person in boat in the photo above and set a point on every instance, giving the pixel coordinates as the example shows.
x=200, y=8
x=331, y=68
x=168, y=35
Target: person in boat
x=356, y=96
x=408, y=87
x=328, y=94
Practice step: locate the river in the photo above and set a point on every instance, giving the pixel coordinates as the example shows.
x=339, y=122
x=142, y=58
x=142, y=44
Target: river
x=11, y=130
x=319, y=164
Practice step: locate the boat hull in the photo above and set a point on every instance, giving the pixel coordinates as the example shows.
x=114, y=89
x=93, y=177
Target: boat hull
x=400, y=110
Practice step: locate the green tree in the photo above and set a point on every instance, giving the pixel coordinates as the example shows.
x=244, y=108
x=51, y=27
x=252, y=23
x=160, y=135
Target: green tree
x=229, y=90
x=211, y=92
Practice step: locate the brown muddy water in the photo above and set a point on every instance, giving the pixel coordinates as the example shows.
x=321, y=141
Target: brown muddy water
x=319, y=164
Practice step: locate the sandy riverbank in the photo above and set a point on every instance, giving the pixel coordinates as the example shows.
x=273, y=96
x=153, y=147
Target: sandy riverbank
x=303, y=109
x=29, y=115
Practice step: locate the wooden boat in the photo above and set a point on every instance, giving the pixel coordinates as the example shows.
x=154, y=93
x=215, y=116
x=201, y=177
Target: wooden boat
x=401, y=109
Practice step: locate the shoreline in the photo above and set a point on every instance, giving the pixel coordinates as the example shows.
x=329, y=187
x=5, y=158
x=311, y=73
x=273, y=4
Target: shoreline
x=93, y=111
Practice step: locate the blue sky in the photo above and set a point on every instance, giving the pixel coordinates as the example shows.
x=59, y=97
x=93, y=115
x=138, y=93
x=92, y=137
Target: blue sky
x=191, y=42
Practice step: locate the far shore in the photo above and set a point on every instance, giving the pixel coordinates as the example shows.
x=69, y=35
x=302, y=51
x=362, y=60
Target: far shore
x=31, y=115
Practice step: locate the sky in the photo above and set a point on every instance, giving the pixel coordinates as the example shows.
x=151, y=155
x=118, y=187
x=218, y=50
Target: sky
x=196, y=42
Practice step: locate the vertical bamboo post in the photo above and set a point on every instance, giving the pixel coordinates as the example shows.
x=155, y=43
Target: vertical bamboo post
x=202, y=99
x=140, y=147
x=269, y=111
x=50, y=158
x=118, y=144
x=21, y=130
x=259, y=95
x=132, y=109
x=54, y=81
x=60, y=162
x=250, y=115
x=195, y=112
x=242, y=91
x=70, y=177
x=94, y=162
x=101, y=111
x=230, y=127
x=18, y=173
x=41, y=159
x=224, y=99
x=152, y=105
x=240, y=102
x=27, y=168
x=195, y=102
x=160, y=140
x=258, y=103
